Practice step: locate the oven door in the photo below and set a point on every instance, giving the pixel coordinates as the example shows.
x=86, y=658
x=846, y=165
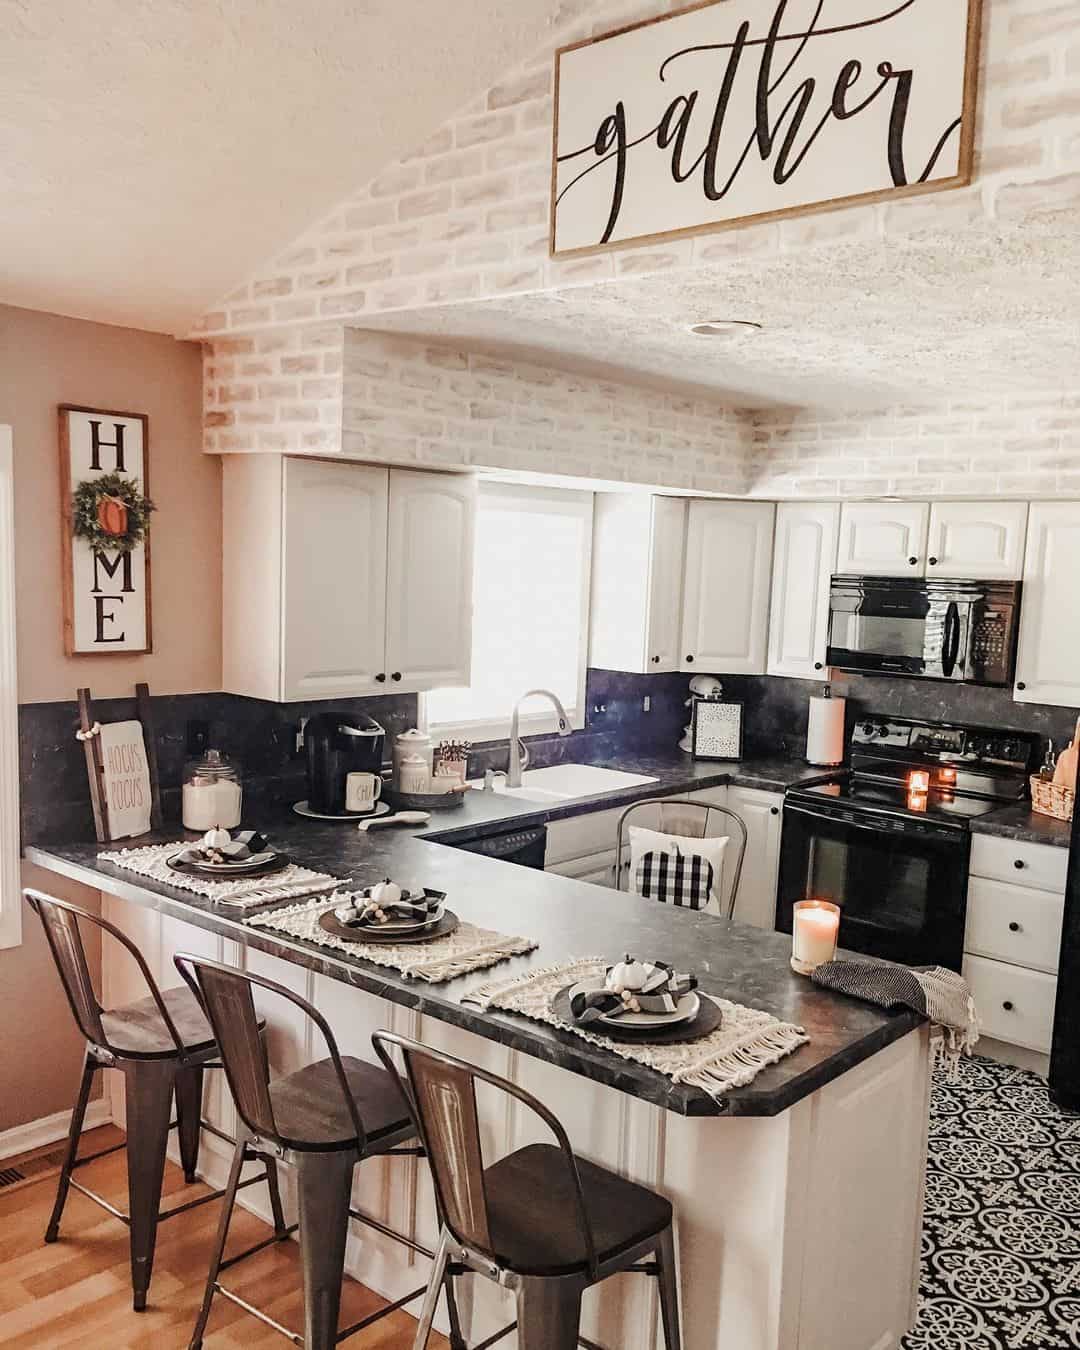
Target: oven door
x=901, y=886
x=898, y=627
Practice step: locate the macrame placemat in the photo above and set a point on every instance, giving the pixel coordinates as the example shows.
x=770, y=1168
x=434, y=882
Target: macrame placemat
x=732, y=1056
x=245, y=893
x=467, y=948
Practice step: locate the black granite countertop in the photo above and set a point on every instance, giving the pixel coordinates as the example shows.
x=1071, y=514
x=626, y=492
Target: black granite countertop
x=568, y=919
x=1022, y=823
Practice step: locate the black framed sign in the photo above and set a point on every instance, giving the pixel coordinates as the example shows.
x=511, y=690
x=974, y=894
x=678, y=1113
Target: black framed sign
x=716, y=731
x=744, y=110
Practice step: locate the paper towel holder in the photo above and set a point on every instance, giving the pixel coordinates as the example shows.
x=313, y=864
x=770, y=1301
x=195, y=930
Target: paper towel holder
x=825, y=734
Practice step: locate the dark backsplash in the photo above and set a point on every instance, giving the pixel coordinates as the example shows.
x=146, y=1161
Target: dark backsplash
x=261, y=736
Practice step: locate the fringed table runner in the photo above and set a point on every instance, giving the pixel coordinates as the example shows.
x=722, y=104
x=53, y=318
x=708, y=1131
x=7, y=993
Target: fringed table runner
x=244, y=893
x=467, y=948
x=730, y=1057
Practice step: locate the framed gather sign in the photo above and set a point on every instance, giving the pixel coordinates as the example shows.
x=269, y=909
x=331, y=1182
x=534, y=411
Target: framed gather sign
x=747, y=110
x=104, y=474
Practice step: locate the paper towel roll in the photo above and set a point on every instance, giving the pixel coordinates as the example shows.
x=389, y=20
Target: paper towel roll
x=825, y=736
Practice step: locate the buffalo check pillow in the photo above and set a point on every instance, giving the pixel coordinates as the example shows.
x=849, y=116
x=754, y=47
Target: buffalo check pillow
x=677, y=869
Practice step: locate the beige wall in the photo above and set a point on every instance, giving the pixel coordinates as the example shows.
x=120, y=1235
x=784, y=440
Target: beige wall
x=46, y=360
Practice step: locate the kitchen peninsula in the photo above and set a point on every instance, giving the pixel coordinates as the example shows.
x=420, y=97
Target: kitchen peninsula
x=826, y=1141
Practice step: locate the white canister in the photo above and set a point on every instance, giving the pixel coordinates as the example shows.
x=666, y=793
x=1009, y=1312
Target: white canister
x=414, y=775
x=212, y=794
x=412, y=745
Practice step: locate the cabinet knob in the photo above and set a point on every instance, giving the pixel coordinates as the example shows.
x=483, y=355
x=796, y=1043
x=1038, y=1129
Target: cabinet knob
x=1014, y=928
x=381, y=677
x=1020, y=684
x=396, y=675
x=774, y=810
x=914, y=562
x=656, y=660
x=1008, y=1005
x=1019, y=864
x=819, y=665
x=933, y=562
x=689, y=660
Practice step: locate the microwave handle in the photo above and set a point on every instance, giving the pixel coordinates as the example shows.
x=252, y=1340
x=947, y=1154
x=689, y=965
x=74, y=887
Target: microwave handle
x=950, y=642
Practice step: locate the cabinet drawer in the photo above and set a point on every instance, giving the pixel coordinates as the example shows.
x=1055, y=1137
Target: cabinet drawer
x=581, y=836
x=1014, y=923
x=597, y=868
x=1014, y=1005
x=1039, y=865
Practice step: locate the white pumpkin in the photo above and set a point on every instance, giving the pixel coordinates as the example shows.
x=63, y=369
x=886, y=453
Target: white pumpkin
x=216, y=838
x=385, y=893
x=629, y=974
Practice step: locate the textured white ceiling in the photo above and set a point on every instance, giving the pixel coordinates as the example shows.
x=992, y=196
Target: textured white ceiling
x=944, y=316
x=153, y=154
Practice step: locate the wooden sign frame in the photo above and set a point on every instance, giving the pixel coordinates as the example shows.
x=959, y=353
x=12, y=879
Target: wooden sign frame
x=95, y=768
x=963, y=178
x=67, y=557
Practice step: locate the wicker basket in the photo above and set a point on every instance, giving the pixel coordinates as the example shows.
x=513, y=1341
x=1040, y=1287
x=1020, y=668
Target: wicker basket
x=1052, y=799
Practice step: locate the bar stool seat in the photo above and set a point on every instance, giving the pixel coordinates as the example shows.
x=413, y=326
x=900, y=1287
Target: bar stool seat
x=139, y=1028
x=534, y=1221
x=311, y=1115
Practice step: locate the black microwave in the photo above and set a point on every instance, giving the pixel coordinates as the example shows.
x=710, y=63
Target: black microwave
x=933, y=630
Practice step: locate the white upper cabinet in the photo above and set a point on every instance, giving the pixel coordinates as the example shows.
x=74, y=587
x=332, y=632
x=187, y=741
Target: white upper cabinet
x=1048, y=662
x=983, y=541
x=883, y=539
x=333, y=579
x=726, y=599
x=804, y=559
x=339, y=576
x=639, y=544
x=430, y=580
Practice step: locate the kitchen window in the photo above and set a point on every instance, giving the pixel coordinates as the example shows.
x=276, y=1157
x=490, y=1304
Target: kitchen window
x=530, y=613
x=10, y=898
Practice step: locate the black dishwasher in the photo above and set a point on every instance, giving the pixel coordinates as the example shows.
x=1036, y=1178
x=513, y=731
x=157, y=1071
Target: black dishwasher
x=524, y=847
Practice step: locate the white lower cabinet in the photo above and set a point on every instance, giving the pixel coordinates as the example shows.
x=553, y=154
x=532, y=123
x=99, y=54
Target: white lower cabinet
x=597, y=868
x=1012, y=942
x=762, y=813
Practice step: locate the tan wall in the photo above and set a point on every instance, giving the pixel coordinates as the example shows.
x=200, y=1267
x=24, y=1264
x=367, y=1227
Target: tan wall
x=46, y=360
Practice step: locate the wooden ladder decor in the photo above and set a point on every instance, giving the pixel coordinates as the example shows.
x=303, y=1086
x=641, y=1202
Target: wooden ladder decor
x=89, y=733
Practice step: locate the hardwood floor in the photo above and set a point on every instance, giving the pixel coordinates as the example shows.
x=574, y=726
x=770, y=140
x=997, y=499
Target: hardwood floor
x=76, y=1294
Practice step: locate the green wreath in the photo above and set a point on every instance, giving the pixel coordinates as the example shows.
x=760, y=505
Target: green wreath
x=110, y=513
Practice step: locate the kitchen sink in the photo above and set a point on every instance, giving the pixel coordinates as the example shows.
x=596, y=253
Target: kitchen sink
x=570, y=782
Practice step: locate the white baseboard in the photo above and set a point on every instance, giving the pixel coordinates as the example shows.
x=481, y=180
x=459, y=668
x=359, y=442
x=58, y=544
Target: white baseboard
x=50, y=1129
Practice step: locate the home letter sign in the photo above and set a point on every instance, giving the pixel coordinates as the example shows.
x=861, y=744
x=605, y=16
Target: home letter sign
x=741, y=110
x=103, y=478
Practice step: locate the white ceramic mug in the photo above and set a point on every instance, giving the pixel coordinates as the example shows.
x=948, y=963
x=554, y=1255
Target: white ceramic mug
x=362, y=791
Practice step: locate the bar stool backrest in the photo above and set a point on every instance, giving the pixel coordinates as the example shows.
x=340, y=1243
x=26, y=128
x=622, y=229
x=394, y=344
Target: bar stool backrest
x=61, y=919
x=688, y=819
x=227, y=998
x=441, y=1091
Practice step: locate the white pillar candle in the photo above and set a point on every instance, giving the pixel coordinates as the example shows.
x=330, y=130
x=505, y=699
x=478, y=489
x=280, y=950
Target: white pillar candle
x=814, y=934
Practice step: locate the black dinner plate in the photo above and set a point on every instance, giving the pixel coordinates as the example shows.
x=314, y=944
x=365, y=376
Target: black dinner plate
x=704, y=1024
x=330, y=923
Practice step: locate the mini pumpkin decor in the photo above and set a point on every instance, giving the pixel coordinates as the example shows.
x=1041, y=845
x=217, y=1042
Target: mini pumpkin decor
x=110, y=512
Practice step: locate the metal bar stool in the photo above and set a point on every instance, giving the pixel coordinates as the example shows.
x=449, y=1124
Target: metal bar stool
x=540, y=1221
x=321, y=1121
x=688, y=819
x=161, y=1044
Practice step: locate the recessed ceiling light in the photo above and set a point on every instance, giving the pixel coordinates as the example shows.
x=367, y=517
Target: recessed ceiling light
x=726, y=328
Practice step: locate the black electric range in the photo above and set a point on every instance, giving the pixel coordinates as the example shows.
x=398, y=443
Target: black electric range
x=888, y=840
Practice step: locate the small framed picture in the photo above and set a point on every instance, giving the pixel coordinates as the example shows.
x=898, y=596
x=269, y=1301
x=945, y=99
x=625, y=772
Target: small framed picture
x=717, y=729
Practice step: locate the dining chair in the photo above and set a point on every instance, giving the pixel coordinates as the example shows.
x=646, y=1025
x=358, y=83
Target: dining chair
x=320, y=1121
x=162, y=1044
x=684, y=819
x=541, y=1221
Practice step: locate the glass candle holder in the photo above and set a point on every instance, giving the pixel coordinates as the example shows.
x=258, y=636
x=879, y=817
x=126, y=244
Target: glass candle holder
x=814, y=934
x=918, y=781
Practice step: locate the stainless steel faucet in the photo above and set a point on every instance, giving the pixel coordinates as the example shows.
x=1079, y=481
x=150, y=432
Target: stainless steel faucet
x=519, y=753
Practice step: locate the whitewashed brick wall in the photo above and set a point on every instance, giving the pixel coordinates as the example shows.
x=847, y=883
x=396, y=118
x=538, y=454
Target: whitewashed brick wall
x=1024, y=446
x=409, y=402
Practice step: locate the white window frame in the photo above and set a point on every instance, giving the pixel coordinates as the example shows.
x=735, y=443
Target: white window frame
x=543, y=719
x=10, y=876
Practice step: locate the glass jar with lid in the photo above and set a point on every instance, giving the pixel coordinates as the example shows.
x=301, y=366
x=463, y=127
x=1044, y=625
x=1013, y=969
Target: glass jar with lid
x=212, y=793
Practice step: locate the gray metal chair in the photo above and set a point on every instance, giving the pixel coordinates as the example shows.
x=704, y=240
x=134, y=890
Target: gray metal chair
x=321, y=1121
x=689, y=819
x=161, y=1044
x=541, y=1221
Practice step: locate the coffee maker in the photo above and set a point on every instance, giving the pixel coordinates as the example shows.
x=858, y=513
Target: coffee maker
x=339, y=744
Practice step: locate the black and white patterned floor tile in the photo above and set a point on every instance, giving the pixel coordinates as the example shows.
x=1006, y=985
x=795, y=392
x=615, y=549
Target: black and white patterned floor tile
x=1001, y=1238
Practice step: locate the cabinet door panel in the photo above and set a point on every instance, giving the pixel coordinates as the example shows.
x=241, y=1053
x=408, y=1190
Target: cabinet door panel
x=726, y=604
x=983, y=541
x=883, y=539
x=1048, y=662
x=430, y=580
x=334, y=579
x=666, y=584
x=803, y=562
x=761, y=813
